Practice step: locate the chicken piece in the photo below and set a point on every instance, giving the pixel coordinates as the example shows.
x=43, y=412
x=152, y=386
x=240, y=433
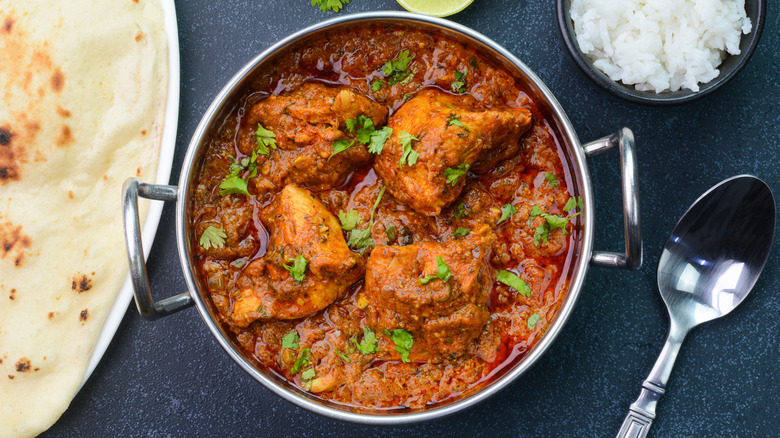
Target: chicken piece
x=306, y=123
x=444, y=315
x=299, y=225
x=451, y=136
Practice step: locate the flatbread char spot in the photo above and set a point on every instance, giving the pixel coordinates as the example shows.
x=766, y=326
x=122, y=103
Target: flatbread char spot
x=8, y=24
x=57, y=80
x=13, y=242
x=81, y=283
x=9, y=161
x=23, y=365
x=83, y=315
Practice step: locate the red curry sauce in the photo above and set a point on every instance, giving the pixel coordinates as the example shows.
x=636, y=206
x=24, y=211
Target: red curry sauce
x=535, y=242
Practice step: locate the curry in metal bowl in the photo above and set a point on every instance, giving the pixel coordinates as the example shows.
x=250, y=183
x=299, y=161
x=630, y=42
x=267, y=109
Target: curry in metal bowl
x=383, y=218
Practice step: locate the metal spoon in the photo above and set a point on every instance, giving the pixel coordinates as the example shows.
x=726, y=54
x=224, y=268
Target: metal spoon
x=709, y=263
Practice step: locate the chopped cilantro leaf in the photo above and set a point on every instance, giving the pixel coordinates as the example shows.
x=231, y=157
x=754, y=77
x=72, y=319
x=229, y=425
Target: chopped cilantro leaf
x=552, y=181
x=572, y=203
x=460, y=211
x=454, y=120
x=555, y=221
x=460, y=232
x=360, y=239
x=343, y=356
x=452, y=175
x=306, y=377
x=540, y=233
x=213, y=237
x=301, y=361
x=506, y=212
x=535, y=211
x=532, y=320
x=403, y=341
x=329, y=5
x=364, y=125
x=290, y=340
x=265, y=139
x=459, y=84
x=395, y=70
x=443, y=272
x=349, y=220
x=409, y=155
x=514, y=281
x=234, y=184
x=297, y=269
x=340, y=146
x=369, y=342
x=376, y=85
x=378, y=139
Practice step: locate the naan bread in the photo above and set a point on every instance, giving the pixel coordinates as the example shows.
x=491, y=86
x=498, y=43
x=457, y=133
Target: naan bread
x=83, y=86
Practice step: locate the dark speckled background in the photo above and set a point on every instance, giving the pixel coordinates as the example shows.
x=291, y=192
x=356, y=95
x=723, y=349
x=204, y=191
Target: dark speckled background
x=171, y=378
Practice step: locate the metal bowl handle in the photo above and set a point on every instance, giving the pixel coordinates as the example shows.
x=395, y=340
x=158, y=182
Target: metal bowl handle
x=632, y=259
x=135, y=252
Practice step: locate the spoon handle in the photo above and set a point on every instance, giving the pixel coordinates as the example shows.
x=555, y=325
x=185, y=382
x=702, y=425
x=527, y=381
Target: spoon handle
x=642, y=412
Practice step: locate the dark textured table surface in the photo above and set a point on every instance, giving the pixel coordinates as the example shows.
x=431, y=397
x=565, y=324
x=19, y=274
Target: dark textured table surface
x=171, y=378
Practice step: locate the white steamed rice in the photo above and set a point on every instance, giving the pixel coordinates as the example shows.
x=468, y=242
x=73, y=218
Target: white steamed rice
x=660, y=45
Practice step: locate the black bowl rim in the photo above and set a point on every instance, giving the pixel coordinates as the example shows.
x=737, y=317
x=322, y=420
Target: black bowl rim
x=647, y=97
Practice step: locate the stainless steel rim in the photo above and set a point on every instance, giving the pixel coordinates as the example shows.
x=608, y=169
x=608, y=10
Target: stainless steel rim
x=579, y=164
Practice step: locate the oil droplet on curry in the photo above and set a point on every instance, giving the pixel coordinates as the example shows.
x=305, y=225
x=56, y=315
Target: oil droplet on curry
x=383, y=219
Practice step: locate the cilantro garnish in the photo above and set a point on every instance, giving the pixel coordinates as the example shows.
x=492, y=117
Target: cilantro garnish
x=306, y=377
x=506, y=212
x=535, y=211
x=290, y=340
x=340, y=146
x=349, y=220
x=409, y=155
x=377, y=84
x=552, y=181
x=552, y=221
x=572, y=203
x=459, y=84
x=378, y=139
x=460, y=232
x=443, y=272
x=515, y=282
x=265, y=139
x=369, y=342
x=460, y=211
x=329, y=5
x=366, y=133
x=297, y=269
x=532, y=320
x=395, y=70
x=213, y=237
x=403, y=341
x=234, y=184
x=343, y=356
x=360, y=239
x=453, y=174
x=301, y=361
x=454, y=120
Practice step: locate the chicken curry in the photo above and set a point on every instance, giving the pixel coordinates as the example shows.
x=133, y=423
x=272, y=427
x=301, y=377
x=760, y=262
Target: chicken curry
x=384, y=220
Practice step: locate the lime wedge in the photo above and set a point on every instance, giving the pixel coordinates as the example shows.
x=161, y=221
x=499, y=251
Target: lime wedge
x=437, y=8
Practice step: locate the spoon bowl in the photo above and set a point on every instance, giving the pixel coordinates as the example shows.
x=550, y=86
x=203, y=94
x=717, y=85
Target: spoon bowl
x=709, y=264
